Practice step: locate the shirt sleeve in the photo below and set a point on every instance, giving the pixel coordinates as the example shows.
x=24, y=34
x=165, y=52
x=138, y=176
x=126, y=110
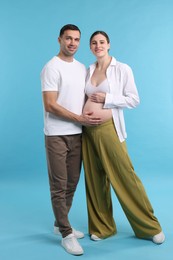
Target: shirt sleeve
x=129, y=97
x=50, y=79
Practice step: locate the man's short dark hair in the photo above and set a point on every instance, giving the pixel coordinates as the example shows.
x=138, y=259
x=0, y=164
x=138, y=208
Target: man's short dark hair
x=68, y=27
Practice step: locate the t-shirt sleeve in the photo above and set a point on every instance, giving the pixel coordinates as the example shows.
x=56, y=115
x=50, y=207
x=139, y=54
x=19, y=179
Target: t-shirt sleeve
x=49, y=79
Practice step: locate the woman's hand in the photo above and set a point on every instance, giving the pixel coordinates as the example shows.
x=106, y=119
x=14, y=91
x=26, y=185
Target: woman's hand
x=98, y=97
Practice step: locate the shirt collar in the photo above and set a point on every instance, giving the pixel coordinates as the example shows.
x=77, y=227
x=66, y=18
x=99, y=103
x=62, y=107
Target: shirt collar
x=113, y=63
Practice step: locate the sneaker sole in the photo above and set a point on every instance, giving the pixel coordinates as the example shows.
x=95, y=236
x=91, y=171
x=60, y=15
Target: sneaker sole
x=72, y=252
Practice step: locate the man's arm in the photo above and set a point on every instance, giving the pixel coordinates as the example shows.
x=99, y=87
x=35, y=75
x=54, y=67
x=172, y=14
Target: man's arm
x=50, y=105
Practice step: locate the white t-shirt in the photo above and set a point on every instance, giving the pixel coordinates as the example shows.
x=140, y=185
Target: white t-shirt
x=67, y=78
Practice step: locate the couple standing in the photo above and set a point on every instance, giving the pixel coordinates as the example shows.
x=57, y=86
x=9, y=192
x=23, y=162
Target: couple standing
x=93, y=99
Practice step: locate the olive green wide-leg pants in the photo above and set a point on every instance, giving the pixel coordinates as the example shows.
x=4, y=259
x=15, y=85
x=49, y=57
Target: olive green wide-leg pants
x=106, y=162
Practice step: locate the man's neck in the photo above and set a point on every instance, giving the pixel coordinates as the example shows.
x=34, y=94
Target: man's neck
x=65, y=58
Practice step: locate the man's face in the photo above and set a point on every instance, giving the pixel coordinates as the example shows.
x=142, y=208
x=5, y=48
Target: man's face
x=69, y=42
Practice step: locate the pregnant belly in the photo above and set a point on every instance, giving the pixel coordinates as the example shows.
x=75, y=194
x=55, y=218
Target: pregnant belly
x=97, y=110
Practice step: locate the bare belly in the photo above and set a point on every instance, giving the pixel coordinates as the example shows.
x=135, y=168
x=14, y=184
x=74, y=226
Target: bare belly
x=98, y=110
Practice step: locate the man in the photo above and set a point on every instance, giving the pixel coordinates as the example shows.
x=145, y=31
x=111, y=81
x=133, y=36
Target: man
x=63, y=82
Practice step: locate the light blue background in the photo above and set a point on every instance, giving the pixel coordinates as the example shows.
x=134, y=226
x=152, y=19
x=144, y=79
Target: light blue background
x=142, y=36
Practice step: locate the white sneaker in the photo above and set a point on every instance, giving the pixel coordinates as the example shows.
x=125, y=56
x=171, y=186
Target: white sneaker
x=95, y=238
x=76, y=233
x=71, y=245
x=159, y=238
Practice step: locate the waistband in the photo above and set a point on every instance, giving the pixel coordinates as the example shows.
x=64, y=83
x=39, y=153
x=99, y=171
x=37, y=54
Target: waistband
x=97, y=127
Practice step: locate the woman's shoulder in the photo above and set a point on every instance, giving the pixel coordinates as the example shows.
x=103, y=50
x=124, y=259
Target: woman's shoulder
x=122, y=66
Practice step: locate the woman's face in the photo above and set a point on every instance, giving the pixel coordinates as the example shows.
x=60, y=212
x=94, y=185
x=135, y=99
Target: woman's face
x=99, y=45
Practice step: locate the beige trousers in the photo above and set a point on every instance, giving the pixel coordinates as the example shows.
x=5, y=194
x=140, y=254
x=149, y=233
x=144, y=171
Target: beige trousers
x=106, y=162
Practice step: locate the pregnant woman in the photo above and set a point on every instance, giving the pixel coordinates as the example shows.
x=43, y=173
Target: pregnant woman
x=110, y=88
